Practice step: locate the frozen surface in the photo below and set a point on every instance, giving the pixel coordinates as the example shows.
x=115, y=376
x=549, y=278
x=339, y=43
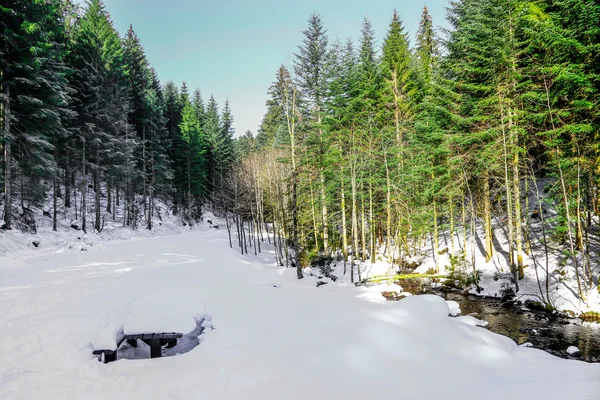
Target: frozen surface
x=274, y=337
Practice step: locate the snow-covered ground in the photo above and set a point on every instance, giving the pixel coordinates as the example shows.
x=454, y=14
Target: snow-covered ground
x=67, y=239
x=274, y=337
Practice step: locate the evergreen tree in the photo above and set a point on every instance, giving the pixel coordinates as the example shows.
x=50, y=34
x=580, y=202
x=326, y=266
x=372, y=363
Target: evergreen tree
x=34, y=98
x=309, y=67
x=195, y=153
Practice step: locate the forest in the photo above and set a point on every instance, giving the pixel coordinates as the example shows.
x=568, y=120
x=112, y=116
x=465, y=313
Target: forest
x=83, y=111
x=368, y=149
x=372, y=150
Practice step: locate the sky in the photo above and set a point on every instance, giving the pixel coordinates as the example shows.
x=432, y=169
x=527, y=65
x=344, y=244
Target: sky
x=233, y=48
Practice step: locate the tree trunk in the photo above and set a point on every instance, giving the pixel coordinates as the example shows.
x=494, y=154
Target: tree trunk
x=452, y=229
x=354, y=225
x=324, y=213
x=388, y=234
x=371, y=223
x=344, y=228
x=108, y=196
x=7, y=160
x=570, y=230
x=67, y=189
x=487, y=210
x=144, y=172
x=83, y=188
x=509, y=208
x=97, y=185
x=54, y=196
x=363, y=223
x=518, y=213
x=314, y=216
x=436, y=236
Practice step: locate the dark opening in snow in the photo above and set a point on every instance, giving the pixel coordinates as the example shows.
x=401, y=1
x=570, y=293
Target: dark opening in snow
x=138, y=349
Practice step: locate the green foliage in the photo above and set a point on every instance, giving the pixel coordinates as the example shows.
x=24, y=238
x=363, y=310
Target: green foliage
x=83, y=102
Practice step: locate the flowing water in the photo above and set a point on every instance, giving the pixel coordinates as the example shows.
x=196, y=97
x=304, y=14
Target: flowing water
x=544, y=330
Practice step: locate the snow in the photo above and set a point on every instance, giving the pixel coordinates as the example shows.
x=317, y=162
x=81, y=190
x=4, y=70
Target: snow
x=495, y=274
x=161, y=311
x=572, y=350
x=454, y=308
x=274, y=337
x=469, y=320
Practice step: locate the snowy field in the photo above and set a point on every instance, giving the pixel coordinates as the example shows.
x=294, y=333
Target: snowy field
x=274, y=337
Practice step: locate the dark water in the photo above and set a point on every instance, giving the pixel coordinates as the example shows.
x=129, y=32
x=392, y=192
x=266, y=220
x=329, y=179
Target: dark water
x=542, y=329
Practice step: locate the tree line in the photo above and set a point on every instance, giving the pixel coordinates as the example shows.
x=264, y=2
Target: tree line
x=84, y=115
x=373, y=150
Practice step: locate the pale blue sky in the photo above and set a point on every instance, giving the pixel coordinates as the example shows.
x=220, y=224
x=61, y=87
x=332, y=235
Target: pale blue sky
x=232, y=48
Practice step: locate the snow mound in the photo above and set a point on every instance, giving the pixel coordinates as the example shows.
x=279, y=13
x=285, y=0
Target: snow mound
x=160, y=311
x=454, y=308
x=467, y=319
x=166, y=311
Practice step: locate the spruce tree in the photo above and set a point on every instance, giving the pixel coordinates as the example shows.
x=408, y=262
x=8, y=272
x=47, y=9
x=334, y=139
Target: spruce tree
x=34, y=98
x=309, y=67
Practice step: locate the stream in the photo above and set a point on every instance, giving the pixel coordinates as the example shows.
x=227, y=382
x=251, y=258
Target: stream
x=544, y=330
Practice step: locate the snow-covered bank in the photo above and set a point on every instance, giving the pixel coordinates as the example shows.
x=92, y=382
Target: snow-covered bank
x=274, y=337
x=69, y=236
x=495, y=276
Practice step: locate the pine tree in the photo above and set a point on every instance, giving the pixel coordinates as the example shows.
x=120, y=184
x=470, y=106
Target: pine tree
x=175, y=152
x=195, y=153
x=396, y=96
x=34, y=98
x=214, y=142
x=101, y=102
x=309, y=67
x=426, y=48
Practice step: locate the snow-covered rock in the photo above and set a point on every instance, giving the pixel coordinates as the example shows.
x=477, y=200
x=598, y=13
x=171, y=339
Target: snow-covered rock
x=573, y=351
x=454, y=308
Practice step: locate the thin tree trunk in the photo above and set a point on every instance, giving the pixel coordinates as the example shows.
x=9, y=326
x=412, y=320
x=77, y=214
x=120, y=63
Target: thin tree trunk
x=371, y=223
x=314, y=216
x=83, y=188
x=570, y=230
x=388, y=234
x=344, y=228
x=67, y=188
x=75, y=199
x=144, y=173
x=7, y=160
x=228, y=228
x=487, y=210
x=54, y=195
x=509, y=210
x=452, y=229
x=363, y=233
x=97, y=201
x=324, y=213
x=354, y=224
x=518, y=213
x=244, y=237
x=464, y=224
x=436, y=236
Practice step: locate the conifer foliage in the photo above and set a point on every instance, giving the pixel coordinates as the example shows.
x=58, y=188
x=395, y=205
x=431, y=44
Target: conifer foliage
x=396, y=146
x=84, y=116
